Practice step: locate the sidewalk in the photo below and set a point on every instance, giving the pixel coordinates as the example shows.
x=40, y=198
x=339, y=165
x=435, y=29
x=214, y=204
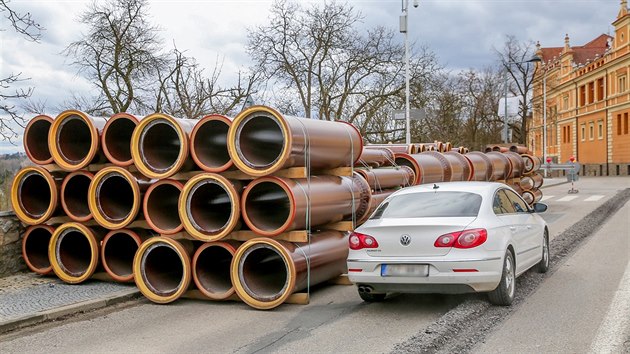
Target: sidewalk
x=28, y=298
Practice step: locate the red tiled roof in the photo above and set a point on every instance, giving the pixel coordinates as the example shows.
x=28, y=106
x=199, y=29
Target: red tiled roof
x=581, y=54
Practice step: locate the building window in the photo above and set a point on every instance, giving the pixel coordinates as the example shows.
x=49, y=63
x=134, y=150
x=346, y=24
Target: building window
x=621, y=84
x=600, y=89
x=618, y=124
x=625, y=123
x=591, y=92
x=565, y=102
x=582, y=95
x=583, y=136
x=591, y=131
x=600, y=129
x=568, y=134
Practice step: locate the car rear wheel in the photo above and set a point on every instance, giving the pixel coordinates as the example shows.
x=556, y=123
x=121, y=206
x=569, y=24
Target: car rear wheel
x=503, y=295
x=372, y=297
x=543, y=265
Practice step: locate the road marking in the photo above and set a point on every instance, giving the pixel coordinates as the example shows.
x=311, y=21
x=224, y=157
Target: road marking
x=610, y=336
x=593, y=198
x=546, y=197
x=568, y=198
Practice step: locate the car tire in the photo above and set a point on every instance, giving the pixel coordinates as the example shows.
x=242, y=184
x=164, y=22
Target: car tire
x=372, y=297
x=503, y=295
x=543, y=265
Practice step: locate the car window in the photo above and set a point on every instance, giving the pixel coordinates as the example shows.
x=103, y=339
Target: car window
x=519, y=204
x=502, y=204
x=429, y=204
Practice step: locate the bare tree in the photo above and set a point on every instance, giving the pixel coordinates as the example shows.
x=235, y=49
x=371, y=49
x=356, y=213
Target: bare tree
x=515, y=59
x=120, y=53
x=25, y=25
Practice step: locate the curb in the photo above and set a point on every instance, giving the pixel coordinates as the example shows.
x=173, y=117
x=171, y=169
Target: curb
x=83, y=306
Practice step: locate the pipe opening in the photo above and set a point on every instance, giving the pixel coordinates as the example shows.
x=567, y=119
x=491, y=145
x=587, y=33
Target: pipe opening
x=260, y=141
x=36, y=247
x=212, y=269
x=208, y=206
x=75, y=195
x=263, y=272
x=37, y=140
x=74, y=253
x=210, y=144
x=162, y=207
x=74, y=139
x=118, y=139
x=160, y=145
x=118, y=252
x=404, y=162
x=114, y=197
x=162, y=269
x=34, y=194
x=267, y=206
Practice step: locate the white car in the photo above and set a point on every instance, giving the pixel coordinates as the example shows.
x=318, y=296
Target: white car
x=451, y=238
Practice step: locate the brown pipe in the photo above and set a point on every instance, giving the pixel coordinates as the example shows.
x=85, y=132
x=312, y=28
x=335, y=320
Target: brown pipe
x=35, y=245
x=501, y=166
x=375, y=201
x=209, y=206
x=211, y=269
x=429, y=166
x=160, y=204
x=36, y=139
x=534, y=181
x=531, y=163
x=74, y=140
x=265, y=272
x=395, y=148
x=517, y=162
x=208, y=143
x=499, y=148
x=162, y=268
x=74, y=251
x=115, y=196
x=532, y=196
x=273, y=205
x=117, y=252
x=483, y=169
x=375, y=157
x=519, y=149
x=515, y=184
x=387, y=178
x=461, y=167
x=262, y=141
x=35, y=194
x=74, y=195
x=159, y=145
x=116, y=138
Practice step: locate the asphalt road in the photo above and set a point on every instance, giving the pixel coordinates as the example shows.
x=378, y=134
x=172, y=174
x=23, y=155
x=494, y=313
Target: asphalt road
x=571, y=309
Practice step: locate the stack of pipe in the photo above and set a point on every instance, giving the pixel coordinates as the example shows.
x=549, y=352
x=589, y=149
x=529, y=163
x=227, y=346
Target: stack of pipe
x=160, y=200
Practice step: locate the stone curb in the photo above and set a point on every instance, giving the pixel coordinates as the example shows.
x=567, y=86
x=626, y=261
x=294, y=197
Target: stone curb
x=53, y=314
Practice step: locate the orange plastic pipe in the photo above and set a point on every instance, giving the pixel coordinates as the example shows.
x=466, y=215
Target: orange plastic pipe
x=74, y=195
x=208, y=143
x=116, y=138
x=118, y=250
x=160, y=206
x=35, y=243
x=36, y=139
x=211, y=269
x=35, y=194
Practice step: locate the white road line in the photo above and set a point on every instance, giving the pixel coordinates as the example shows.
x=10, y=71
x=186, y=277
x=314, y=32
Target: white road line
x=610, y=335
x=593, y=198
x=546, y=197
x=568, y=198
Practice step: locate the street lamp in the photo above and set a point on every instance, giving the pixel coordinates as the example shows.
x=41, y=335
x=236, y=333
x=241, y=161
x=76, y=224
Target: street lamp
x=403, y=29
x=505, y=82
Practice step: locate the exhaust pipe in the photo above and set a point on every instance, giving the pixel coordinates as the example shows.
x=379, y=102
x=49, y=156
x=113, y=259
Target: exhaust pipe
x=74, y=138
x=461, y=167
x=159, y=145
x=262, y=141
x=116, y=138
x=483, y=170
x=160, y=204
x=35, y=194
x=375, y=157
x=36, y=140
x=74, y=195
x=366, y=289
x=118, y=250
x=273, y=205
x=208, y=144
x=162, y=268
x=35, y=245
x=265, y=272
x=74, y=251
x=387, y=178
x=209, y=206
x=211, y=269
x=115, y=196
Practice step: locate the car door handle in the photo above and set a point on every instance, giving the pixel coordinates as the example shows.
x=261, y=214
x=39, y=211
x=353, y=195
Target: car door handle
x=529, y=226
x=513, y=228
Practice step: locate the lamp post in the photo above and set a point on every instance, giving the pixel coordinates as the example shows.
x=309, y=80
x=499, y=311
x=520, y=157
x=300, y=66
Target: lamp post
x=403, y=29
x=505, y=82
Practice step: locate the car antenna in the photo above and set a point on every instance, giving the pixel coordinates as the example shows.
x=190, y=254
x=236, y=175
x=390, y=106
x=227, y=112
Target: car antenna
x=435, y=186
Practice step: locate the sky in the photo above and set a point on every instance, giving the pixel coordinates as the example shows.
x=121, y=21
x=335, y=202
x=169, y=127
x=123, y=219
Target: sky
x=462, y=33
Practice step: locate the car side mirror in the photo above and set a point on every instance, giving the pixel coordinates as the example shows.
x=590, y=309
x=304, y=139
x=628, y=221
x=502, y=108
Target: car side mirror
x=539, y=207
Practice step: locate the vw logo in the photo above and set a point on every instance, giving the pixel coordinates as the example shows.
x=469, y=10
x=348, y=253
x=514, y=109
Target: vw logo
x=405, y=240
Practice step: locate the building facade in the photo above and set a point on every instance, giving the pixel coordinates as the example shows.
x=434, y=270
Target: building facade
x=586, y=93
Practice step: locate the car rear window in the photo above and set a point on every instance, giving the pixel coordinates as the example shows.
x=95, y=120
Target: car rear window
x=430, y=205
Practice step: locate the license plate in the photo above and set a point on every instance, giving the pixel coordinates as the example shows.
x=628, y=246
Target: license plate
x=404, y=270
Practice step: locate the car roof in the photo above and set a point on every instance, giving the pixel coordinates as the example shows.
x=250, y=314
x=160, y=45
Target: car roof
x=472, y=187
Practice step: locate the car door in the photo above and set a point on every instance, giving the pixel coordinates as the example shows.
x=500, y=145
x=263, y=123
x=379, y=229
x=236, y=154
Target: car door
x=532, y=250
x=515, y=224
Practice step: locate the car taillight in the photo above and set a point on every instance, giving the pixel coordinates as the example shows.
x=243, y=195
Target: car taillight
x=359, y=241
x=462, y=239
